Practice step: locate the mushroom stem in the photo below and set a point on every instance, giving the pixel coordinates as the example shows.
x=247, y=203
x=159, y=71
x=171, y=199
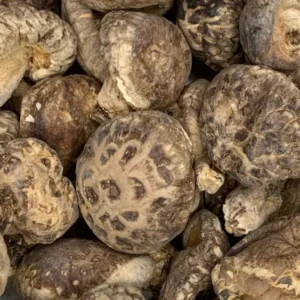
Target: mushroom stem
x=13, y=68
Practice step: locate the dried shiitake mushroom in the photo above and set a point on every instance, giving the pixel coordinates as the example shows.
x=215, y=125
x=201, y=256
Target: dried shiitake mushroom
x=39, y=4
x=70, y=267
x=135, y=181
x=264, y=265
x=4, y=265
x=34, y=41
x=113, y=292
x=143, y=59
x=9, y=127
x=270, y=33
x=190, y=271
x=58, y=111
x=212, y=29
x=150, y=6
x=187, y=113
x=249, y=123
x=247, y=209
x=36, y=200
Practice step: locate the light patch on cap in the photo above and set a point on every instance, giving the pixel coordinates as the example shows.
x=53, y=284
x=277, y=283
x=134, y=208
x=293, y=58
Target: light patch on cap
x=30, y=119
x=218, y=252
x=38, y=105
x=76, y=282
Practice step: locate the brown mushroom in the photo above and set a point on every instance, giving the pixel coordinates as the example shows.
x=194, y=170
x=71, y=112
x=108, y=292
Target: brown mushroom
x=264, y=265
x=34, y=41
x=247, y=209
x=58, y=111
x=135, y=181
x=270, y=33
x=36, y=200
x=211, y=28
x=70, y=267
x=150, y=6
x=52, y=5
x=9, y=127
x=190, y=271
x=249, y=122
x=4, y=265
x=113, y=292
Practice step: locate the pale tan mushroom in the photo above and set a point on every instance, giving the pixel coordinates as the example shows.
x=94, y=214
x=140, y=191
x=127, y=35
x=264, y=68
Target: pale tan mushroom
x=4, y=265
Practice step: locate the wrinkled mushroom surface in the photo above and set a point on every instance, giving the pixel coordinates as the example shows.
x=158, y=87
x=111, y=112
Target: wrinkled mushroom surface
x=212, y=30
x=190, y=271
x=249, y=122
x=9, y=127
x=247, y=209
x=70, y=267
x=52, y=5
x=113, y=292
x=264, y=265
x=34, y=41
x=270, y=33
x=135, y=181
x=150, y=6
x=4, y=265
x=36, y=200
x=58, y=111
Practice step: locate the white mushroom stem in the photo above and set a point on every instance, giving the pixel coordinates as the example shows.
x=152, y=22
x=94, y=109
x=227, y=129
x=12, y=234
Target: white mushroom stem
x=13, y=68
x=247, y=209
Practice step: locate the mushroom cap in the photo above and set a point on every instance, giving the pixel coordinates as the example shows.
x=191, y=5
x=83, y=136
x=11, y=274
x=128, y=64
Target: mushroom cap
x=264, y=265
x=36, y=200
x=52, y=5
x=249, y=122
x=157, y=59
x=135, y=181
x=4, y=265
x=9, y=127
x=113, y=292
x=190, y=271
x=270, y=33
x=247, y=209
x=70, y=267
x=150, y=6
x=212, y=30
x=67, y=101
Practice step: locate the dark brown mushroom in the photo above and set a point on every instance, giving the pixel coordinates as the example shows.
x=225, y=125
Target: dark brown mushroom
x=190, y=272
x=68, y=268
x=58, y=111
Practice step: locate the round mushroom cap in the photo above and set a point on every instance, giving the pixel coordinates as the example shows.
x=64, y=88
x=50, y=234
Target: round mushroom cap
x=247, y=209
x=270, y=33
x=113, y=292
x=58, y=111
x=68, y=268
x=9, y=127
x=264, y=265
x=249, y=122
x=151, y=6
x=4, y=265
x=148, y=58
x=34, y=41
x=191, y=269
x=212, y=30
x=135, y=181
x=36, y=200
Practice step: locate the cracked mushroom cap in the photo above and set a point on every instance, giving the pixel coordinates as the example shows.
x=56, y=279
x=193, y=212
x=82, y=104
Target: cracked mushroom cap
x=70, y=267
x=190, y=271
x=247, y=209
x=211, y=28
x=34, y=41
x=135, y=181
x=4, y=265
x=67, y=101
x=52, y=5
x=249, y=122
x=270, y=33
x=9, y=127
x=36, y=200
x=151, y=6
x=113, y=292
x=264, y=265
